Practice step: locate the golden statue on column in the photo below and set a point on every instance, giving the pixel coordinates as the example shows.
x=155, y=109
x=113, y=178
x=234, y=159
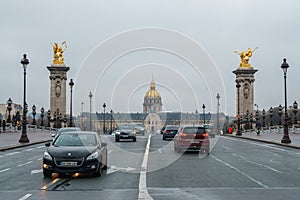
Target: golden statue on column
x=245, y=56
x=58, y=53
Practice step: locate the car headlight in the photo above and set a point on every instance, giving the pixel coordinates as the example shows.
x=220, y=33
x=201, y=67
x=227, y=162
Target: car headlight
x=47, y=156
x=117, y=132
x=93, y=156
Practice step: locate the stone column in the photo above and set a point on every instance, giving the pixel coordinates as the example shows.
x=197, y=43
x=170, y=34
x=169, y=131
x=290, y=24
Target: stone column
x=245, y=76
x=58, y=78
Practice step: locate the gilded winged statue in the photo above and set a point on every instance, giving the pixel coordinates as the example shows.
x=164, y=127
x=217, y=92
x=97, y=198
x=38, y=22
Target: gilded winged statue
x=245, y=56
x=58, y=52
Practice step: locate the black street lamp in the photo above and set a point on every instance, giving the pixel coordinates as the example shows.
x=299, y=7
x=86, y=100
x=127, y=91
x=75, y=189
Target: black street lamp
x=271, y=116
x=295, y=106
x=104, y=106
x=71, y=84
x=247, y=120
x=203, y=107
x=218, y=115
x=238, y=85
x=111, y=117
x=24, y=138
x=33, y=113
x=42, y=116
x=65, y=121
x=90, y=96
x=280, y=108
x=263, y=117
x=49, y=118
x=285, y=139
x=251, y=121
x=9, y=108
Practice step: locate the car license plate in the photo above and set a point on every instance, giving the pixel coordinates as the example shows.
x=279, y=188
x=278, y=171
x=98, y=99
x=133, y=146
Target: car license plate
x=68, y=163
x=125, y=136
x=194, y=141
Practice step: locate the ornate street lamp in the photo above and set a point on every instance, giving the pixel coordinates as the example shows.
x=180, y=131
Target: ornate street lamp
x=203, y=107
x=33, y=113
x=218, y=115
x=9, y=108
x=111, y=116
x=90, y=96
x=65, y=121
x=271, y=116
x=71, y=84
x=42, y=116
x=104, y=106
x=263, y=117
x=24, y=138
x=280, y=108
x=49, y=118
x=247, y=120
x=55, y=119
x=295, y=106
x=285, y=139
x=251, y=121
x=238, y=85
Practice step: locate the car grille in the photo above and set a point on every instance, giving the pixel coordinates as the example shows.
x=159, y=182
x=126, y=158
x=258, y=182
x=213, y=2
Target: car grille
x=68, y=162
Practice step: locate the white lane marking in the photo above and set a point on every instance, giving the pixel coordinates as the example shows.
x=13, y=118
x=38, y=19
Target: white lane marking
x=110, y=151
x=12, y=153
x=143, y=191
x=113, y=169
x=259, y=164
x=240, y=172
x=40, y=159
x=20, y=165
x=4, y=170
x=29, y=149
x=39, y=147
x=25, y=197
x=1, y=156
x=36, y=171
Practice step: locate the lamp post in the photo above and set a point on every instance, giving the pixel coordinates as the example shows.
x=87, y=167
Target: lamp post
x=111, y=117
x=49, y=118
x=285, y=139
x=263, y=117
x=71, y=84
x=271, y=116
x=9, y=108
x=247, y=120
x=24, y=138
x=90, y=96
x=203, y=107
x=42, y=116
x=295, y=106
x=280, y=113
x=218, y=116
x=238, y=85
x=251, y=121
x=33, y=113
x=104, y=105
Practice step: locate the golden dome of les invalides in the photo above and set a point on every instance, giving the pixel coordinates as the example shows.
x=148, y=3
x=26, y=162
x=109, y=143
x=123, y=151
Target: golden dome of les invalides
x=152, y=100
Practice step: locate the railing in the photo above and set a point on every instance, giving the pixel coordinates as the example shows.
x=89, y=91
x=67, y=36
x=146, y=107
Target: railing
x=274, y=129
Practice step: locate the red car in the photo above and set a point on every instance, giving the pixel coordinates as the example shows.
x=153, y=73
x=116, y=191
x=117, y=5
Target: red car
x=191, y=138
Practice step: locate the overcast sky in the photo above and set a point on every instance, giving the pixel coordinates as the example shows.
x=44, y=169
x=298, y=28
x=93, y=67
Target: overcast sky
x=116, y=46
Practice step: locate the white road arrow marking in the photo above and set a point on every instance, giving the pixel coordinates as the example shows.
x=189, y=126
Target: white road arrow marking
x=36, y=171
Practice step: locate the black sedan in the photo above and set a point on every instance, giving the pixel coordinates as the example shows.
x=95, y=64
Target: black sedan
x=125, y=131
x=170, y=131
x=75, y=152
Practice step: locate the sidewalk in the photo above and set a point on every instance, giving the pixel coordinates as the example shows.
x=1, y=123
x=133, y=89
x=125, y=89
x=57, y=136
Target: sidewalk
x=273, y=137
x=10, y=140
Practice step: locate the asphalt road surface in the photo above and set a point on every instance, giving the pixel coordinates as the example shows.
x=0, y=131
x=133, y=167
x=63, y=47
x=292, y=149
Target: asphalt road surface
x=151, y=169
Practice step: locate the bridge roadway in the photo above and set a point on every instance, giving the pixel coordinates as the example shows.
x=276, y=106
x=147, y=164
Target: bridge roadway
x=235, y=169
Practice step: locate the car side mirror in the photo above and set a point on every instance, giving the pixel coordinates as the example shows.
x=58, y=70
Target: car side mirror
x=47, y=144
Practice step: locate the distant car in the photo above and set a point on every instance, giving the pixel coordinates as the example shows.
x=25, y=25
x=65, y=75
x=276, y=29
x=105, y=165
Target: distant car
x=139, y=129
x=125, y=131
x=75, y=152
x=210, y=129
x=65, y=129
x=192, y=138
x=170, y=132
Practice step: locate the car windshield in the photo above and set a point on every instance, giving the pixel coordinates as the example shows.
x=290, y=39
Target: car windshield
x=194, y=130
x=74, y=139
x=125, y=126
x=61, y=130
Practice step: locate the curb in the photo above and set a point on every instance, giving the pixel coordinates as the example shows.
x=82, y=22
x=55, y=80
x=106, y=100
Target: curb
x=23, y=145
x=265, y=141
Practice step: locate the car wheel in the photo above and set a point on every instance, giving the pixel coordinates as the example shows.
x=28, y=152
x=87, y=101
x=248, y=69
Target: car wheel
x=134, y=139
x=164, y=138
x=98, y=172
x=117, y=139
x=47, y=173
